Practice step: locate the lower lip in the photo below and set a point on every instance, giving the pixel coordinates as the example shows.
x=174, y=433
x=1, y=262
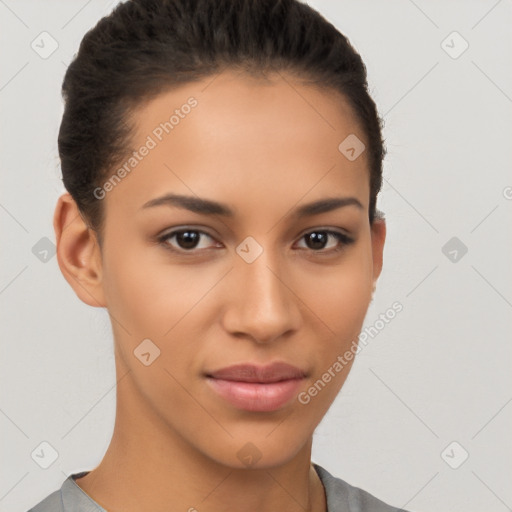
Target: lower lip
x=254, y=396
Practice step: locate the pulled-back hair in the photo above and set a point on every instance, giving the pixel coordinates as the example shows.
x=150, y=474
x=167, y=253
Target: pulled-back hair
x=146, y=47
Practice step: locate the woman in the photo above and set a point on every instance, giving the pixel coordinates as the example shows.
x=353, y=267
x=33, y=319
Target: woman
x=222, y=161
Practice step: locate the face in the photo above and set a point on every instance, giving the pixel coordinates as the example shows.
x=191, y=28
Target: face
x=242, y=269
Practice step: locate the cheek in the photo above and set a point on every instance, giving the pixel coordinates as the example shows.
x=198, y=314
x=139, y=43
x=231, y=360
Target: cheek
x=130, y=291
x=340, y=301
x=149, y=296
x=340, y=294
x=156, y=301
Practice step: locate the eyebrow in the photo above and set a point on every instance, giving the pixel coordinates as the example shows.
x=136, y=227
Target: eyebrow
x=209, y=207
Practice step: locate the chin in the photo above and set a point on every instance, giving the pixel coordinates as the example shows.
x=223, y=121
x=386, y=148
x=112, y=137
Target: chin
x=256, y=451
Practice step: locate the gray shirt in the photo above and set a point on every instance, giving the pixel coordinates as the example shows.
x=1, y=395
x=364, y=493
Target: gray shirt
x=341, y=497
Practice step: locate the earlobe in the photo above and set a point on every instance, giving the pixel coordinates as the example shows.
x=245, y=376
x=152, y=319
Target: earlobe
x=78, y=252
x=378, y=231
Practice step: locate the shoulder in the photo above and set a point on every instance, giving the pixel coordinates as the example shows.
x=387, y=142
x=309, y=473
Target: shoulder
x=343, y=497
x=52, y=503
x=69, y=498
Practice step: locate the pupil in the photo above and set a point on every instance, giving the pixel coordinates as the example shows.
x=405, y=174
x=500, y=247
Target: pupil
x=188, y=239
x=318, y=240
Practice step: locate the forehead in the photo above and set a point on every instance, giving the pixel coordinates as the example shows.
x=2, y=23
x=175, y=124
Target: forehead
x=231, y=134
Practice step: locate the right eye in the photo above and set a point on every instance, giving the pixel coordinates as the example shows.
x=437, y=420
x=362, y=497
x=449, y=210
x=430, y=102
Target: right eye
x=187, y=240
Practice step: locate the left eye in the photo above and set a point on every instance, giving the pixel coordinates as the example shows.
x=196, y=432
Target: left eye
x=319, y=238
x=188, y=239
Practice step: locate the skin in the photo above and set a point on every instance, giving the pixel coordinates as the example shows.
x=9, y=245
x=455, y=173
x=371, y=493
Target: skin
x=263, y=148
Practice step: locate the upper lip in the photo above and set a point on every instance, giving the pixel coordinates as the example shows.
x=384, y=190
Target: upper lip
x=274, y=372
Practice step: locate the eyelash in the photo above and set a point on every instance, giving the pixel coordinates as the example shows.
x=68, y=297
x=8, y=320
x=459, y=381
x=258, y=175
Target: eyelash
x=344, y=240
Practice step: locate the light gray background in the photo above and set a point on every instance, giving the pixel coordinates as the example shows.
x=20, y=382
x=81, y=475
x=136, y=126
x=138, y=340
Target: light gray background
x=437, y=373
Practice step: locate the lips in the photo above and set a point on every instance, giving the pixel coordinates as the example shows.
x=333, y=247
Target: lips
x=262, y=374
x=257, y=388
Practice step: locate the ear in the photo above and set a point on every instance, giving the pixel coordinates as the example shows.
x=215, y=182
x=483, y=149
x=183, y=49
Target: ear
x=78, y=252
x=378, y=234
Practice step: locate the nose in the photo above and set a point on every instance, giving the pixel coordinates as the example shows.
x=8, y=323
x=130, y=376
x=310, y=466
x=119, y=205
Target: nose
x=262, y=304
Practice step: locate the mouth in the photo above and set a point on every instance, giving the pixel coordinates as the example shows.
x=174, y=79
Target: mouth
x=257, y=388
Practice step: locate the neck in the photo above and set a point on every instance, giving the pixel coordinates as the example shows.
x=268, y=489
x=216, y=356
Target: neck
x=149, y=466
